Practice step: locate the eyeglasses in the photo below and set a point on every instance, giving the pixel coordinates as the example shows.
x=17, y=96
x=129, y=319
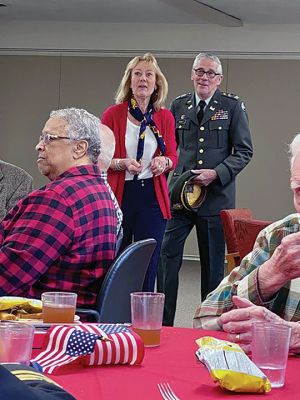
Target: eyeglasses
x=210, y=74
x=47, y=138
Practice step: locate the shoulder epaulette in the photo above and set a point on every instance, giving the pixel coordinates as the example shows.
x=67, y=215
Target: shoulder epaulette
x=183, y=95
x=231, y=95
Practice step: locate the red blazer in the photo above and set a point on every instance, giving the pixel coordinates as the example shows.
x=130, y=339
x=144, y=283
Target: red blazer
x=115, y=117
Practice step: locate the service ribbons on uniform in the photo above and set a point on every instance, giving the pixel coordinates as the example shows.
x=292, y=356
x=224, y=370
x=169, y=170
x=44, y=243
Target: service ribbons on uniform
x=220, y=114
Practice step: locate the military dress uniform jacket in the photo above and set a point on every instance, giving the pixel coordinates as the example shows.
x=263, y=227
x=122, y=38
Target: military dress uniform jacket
x=22, y=382
x=222, y=142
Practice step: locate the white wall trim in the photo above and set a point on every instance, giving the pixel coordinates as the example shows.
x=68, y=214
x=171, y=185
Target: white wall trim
x=131, y=53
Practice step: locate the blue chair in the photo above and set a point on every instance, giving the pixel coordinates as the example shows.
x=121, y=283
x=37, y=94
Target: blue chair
x=124, y=276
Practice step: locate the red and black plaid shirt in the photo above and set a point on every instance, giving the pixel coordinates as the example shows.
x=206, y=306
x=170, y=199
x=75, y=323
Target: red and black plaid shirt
x=60, y=237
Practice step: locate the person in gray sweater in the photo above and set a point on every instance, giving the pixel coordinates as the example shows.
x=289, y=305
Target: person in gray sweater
x=15, y=183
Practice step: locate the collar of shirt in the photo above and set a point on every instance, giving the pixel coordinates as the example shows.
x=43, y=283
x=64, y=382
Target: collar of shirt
x=87, y=169
x=197, y=98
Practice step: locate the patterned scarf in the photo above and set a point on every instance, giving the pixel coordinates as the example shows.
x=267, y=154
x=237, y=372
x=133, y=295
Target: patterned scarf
x=146, y=120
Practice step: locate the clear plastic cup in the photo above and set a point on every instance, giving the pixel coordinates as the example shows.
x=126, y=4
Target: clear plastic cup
x=146, y=316
x=270, y=348
x=59, y=307
x=16, y=340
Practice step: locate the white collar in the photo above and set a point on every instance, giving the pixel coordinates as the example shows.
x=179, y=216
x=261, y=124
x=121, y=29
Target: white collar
x=197, y=98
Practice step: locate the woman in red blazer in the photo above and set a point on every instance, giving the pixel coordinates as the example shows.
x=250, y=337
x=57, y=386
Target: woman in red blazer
x=145, y=152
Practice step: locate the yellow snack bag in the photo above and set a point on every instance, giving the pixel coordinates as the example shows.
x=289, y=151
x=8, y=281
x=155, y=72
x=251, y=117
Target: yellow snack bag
x=8, y=302
x=230, y=367
x=14, y=308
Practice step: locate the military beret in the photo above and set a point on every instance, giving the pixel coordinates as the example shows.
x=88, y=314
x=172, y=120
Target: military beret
x=186, y=194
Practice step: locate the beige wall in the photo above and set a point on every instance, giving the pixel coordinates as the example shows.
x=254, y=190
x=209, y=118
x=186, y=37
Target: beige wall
x=173, y=40
x=31, y=86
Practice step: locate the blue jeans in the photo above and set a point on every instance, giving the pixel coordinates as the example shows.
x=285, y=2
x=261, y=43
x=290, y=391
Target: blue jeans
x=143, y=219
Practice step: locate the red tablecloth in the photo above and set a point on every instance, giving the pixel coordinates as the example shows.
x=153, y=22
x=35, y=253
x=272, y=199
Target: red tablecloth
x=174, y=362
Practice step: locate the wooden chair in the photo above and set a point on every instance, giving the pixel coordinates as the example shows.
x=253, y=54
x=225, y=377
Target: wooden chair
x=246, y=233
x=228, y=217
x=240, y=232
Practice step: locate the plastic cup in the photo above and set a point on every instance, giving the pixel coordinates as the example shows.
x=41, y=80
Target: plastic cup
x=146, y=316
x=16, y=342
x=270, y=348
x=59, y=307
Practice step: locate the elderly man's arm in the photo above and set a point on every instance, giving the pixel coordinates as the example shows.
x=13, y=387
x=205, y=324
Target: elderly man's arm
x=34, y=235
x=242, y=281
x=282, y=267
x=220, y=300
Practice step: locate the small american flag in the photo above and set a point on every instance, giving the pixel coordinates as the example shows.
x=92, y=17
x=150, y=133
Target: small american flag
x=113, y=328
x=89, y=344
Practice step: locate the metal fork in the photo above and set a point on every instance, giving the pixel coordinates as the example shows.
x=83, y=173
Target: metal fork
x=166, y=391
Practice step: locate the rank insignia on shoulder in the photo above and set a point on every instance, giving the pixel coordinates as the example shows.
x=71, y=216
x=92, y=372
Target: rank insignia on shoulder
x=182, y=96
x=231, y=95
x=243, y=106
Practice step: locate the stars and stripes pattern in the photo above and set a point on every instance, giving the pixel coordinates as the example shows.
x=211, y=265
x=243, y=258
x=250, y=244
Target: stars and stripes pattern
x=81, y=343
x=113, y=328
x=89, y=344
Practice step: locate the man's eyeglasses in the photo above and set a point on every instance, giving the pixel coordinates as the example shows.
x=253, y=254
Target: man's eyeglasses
x=210, y=74
x=47, y=138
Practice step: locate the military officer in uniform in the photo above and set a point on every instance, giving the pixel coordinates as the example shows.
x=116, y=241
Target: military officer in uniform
x=213, y=138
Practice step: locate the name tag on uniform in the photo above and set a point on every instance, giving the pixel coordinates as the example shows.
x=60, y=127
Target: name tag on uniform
x=220, y=114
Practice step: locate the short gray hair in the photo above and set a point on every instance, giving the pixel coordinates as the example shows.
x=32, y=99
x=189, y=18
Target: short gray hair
x=82, y=125
x=294, y=148
x=210, y=57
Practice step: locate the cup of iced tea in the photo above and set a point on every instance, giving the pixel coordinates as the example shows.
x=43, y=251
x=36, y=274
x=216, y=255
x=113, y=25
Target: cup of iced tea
x=59, y=307
x=146, y=316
